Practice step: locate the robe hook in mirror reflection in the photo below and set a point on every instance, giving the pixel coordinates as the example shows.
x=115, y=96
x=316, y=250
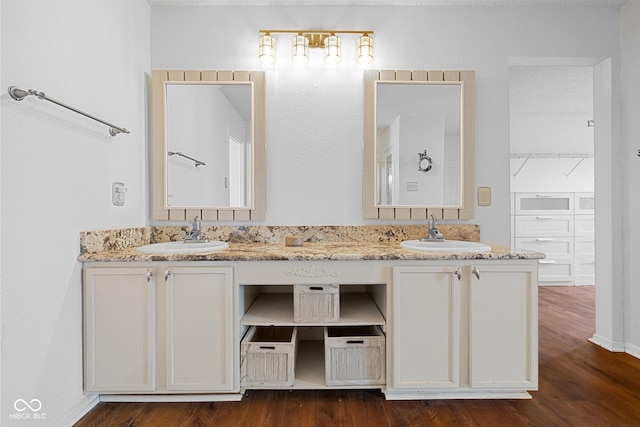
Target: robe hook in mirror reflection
x=19, y=94
x=425, y=162
x=324, y=39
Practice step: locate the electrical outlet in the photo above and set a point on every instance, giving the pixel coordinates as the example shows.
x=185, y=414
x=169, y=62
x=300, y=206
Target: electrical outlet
x=484, y=196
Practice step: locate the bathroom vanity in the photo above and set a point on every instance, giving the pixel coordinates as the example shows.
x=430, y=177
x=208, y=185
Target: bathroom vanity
x=175, y=327
x=350, y=308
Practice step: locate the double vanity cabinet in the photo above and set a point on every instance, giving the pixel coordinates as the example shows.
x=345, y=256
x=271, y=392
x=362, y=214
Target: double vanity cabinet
x=450, y=325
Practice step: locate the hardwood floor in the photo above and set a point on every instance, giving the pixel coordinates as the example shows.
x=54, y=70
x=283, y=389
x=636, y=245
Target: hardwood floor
x=580, y=384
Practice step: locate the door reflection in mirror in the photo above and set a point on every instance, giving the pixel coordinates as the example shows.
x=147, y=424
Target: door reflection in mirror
x=211, y=122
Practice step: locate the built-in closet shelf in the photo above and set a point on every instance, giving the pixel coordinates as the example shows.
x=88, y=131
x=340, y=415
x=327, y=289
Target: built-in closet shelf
x=276, y=309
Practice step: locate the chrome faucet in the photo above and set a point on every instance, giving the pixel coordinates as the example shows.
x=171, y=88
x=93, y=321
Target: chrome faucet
x=433, y=232
x=195, y=235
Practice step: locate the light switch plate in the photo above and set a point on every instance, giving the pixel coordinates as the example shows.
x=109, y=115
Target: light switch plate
x=117, y=193
x=484, y=196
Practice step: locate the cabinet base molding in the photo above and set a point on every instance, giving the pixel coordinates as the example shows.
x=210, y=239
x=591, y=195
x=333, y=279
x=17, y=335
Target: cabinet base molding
x=231, y=397
x=460, y=394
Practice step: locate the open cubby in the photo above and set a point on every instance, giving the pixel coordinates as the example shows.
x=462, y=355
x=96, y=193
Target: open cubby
x=361, y=311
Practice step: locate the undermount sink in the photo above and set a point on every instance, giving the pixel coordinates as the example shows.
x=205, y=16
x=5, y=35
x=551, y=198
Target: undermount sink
x=446, y=246
x=183, y=248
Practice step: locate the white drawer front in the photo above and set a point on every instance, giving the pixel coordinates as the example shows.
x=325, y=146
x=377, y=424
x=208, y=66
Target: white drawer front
x=544, y=203
x=585, y=203
x=585, y=272
x=551, y=270
x=585, y=247
x=553, y=247
x=584, y=225
x=544, y=226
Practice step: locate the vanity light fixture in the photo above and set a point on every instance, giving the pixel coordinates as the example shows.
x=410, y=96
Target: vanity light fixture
x=332, y=49
x=300, y=49
x=364, y=49
x=324, y=39
x=267, y=49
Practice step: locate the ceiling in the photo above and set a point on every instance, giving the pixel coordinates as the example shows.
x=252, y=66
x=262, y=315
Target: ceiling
x=551, y=89
x=570, y=3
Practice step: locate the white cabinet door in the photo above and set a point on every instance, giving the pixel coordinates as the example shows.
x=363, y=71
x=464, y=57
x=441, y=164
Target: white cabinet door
x=199, y=329
x=119, y=329
x=503, y=327
x=426, y=328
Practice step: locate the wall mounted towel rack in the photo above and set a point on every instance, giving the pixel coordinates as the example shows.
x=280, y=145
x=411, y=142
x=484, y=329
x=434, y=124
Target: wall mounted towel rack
x=19, y=94
x=178, y=153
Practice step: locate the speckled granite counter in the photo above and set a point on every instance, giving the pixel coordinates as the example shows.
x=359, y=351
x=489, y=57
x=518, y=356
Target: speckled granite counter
x=266, y=243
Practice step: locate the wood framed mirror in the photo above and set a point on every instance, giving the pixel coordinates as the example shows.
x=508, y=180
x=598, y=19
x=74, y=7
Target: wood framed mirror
x=208, y=145
x=418, y=155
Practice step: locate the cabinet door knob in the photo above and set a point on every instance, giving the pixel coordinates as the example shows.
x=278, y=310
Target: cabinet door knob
x=167, y=273
x=149, y=275
x=458, y=273
x=476, y=272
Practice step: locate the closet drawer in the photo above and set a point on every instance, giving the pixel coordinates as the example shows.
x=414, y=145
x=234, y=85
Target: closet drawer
x=584, y=225
x=548, y=203
x=544, y=225
x=585, y=203
x=552, y=247
x=555, y=270
x=586, y=271
x=585, y=247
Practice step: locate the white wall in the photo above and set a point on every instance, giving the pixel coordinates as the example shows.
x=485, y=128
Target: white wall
x=314, y=114
x=552, y=132
x=544, y=175
x=57, y=168
x=630, y=36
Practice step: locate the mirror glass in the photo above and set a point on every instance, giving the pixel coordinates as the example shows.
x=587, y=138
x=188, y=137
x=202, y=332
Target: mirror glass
x=209, y=145
x=418, y=144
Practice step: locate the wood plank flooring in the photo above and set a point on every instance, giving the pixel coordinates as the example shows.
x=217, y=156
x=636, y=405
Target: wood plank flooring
x=580, y=384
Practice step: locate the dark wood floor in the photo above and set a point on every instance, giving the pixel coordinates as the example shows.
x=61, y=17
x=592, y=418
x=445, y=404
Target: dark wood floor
x=580, y=384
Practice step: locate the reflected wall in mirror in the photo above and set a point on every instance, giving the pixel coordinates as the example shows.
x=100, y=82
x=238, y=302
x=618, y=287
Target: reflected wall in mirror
x=209, y=142
x=418, y=144
x=419, y=136
x=208, y=145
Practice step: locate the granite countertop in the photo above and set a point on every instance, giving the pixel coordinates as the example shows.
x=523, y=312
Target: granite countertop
x=334, y=251
x=266, y=243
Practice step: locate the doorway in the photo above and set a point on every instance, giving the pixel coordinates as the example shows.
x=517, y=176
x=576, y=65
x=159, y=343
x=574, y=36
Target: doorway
x=552, y=169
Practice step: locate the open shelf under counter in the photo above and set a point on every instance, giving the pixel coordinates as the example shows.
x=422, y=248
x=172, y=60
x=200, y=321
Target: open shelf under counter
x=310, y=374
x=276, y=309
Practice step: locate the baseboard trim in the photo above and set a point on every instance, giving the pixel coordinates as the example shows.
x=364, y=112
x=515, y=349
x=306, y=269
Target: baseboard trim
x=617, y=347
x=78, y=411
x=633, y=350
